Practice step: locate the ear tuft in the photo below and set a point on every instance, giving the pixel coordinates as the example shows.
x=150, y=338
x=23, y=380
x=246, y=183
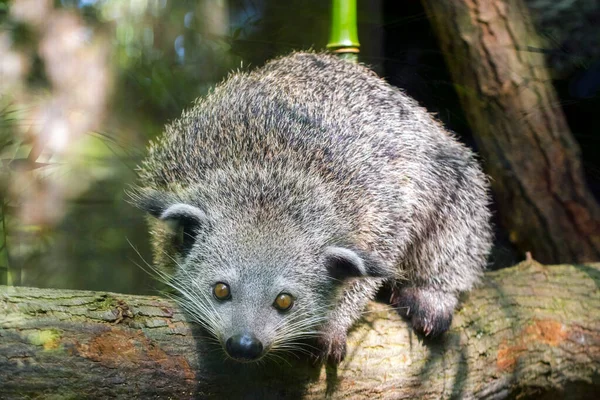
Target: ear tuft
x=153, y=202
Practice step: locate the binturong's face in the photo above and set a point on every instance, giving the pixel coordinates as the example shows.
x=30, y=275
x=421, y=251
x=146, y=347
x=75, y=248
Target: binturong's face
x=259, y=285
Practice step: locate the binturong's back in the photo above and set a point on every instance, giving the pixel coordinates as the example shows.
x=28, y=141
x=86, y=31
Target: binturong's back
x=282, y=200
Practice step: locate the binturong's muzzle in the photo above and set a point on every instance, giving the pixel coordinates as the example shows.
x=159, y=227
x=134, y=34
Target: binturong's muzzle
x=245, y=347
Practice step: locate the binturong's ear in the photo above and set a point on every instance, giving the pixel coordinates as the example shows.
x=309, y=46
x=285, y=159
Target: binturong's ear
x=182, y=220
x=343, y=263
x=185, y=222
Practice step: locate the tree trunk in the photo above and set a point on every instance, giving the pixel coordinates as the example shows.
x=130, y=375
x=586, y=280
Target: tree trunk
x=528, y=331
x=519, y=127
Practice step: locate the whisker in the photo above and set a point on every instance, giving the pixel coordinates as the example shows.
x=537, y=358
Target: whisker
x=276, y=357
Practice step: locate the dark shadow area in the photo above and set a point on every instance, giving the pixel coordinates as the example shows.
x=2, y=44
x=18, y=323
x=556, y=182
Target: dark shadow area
x=269, y=379
x=593, y=273
x=574, y=390
x=462, y=372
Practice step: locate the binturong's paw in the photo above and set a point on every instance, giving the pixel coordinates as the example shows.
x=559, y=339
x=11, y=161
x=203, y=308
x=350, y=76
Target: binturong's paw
x=331, y=347
x=429, y=311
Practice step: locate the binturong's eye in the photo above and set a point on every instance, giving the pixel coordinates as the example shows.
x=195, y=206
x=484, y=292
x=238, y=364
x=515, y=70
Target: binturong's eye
x=284, y=302
x=221, y=291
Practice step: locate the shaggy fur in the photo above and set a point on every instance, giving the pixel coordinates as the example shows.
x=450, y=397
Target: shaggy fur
x=314, y=177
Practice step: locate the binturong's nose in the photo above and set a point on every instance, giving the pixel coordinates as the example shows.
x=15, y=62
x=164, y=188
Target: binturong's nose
x=244, y=347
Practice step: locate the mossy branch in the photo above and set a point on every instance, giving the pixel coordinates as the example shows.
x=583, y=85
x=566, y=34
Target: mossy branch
x=528, y=331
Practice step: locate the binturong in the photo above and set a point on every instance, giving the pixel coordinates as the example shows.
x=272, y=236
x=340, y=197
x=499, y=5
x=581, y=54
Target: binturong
x=281, y=202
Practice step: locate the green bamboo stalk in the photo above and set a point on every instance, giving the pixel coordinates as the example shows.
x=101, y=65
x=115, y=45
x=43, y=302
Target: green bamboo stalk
x=343, y=37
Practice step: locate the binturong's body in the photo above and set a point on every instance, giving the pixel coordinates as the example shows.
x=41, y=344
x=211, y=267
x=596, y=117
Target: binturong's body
x=286, y=197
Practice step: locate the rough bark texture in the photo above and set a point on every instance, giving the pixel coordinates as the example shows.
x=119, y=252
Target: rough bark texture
x=528, y=331
x=520, y=129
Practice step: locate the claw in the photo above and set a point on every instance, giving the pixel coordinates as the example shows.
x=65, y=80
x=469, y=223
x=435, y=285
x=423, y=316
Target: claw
x=333, y=348
x=429, y=311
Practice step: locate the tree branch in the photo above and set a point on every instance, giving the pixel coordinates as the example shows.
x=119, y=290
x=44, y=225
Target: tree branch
x=517, y=121
x=528, y=331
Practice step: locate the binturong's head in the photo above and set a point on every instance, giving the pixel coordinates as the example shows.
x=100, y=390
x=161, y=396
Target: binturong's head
x=259, y=277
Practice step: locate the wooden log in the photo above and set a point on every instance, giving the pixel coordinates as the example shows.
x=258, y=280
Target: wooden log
x=527, y=331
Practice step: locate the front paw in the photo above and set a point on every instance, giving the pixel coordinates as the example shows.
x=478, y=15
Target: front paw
x=429, y=311
x=331, y=347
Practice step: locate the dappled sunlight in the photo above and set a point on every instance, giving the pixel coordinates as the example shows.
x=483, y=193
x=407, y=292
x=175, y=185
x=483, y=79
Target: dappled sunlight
x=83, y=85
x=53, y=118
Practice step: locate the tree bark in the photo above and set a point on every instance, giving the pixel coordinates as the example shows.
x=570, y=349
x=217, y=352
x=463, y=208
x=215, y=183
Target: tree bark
x=518, y=124
x=528, y=331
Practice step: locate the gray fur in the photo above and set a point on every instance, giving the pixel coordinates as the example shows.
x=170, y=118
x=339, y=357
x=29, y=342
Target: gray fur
x=304, y=155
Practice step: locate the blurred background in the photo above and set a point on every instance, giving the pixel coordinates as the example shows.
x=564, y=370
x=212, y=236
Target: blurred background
x=85, y=84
